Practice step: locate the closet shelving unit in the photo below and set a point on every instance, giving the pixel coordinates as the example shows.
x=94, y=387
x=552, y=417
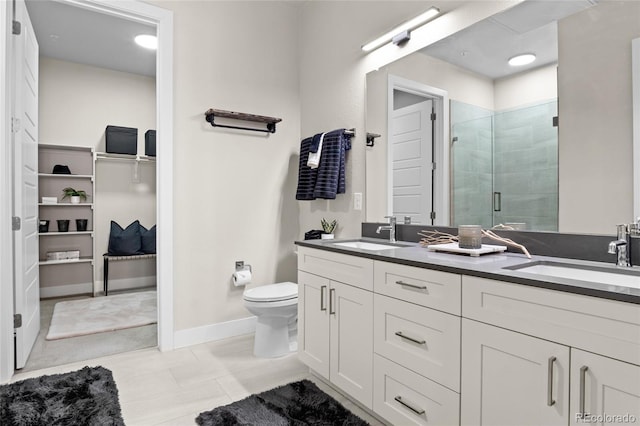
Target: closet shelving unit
x=71, y=276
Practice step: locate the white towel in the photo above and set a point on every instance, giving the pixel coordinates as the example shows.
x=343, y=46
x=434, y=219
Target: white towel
x=314, y=157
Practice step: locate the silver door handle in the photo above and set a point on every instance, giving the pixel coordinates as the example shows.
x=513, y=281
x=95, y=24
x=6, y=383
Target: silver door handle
x=419, y=287
x=497, y=201
x=323, y=306
x=550, y=362
x=583, y=379
x=420, y=342
x=332, y=295
x=418, y=411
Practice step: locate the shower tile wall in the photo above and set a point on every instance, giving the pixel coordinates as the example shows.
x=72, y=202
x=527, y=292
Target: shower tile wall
x=526, y=166
x=471, y=132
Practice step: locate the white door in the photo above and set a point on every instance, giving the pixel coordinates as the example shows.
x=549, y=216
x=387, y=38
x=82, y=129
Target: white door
x=510, y=378
x=351, y=312
x=411, y=146
x=25, y=188
x=603, y=390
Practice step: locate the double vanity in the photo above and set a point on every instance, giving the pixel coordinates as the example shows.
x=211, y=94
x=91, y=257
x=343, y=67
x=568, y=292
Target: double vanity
x=421, y=337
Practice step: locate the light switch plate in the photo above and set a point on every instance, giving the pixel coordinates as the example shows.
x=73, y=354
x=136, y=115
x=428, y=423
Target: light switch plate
x=357, y=200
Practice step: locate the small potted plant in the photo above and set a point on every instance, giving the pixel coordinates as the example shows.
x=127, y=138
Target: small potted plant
x=75, y=195
x=328, y=228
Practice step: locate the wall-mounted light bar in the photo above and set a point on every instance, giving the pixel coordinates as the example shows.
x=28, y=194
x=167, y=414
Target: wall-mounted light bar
x=407, y=26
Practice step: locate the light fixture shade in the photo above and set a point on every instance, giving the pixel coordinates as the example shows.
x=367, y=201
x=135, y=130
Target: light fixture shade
x=407, y=26
x=147, y=41
x=523, y=59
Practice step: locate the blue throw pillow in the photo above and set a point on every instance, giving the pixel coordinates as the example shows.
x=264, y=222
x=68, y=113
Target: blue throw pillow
x=148, y=237
x=125, y=242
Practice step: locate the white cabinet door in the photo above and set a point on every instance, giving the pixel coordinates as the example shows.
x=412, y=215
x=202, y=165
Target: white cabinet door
x=351, y=312
x=313, y=322
x=603, y=390
x=510, y=378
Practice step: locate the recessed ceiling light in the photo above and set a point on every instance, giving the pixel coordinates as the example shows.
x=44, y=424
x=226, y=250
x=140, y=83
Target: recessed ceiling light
x=524, y=59
x=147, y=41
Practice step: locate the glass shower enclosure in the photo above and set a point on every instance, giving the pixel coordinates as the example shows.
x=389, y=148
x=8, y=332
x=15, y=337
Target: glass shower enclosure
x=505, y=166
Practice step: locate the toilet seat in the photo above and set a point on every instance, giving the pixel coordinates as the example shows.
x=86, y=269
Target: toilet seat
x=272, y=293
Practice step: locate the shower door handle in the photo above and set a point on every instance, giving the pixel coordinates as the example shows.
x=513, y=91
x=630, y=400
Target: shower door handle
x=497, y=201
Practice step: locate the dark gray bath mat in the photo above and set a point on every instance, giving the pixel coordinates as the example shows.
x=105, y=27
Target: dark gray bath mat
x=296, y=404
x=84, y=397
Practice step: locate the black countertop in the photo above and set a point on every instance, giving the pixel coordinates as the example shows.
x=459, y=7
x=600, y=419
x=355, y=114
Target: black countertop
x=493, y=266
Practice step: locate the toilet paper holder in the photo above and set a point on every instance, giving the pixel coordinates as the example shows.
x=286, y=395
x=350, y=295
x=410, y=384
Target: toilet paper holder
x=241, y=266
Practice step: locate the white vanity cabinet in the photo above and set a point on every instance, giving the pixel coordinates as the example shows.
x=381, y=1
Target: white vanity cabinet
x=528, y=356
x=416, y=345
x=335, y=332
x=425, y=347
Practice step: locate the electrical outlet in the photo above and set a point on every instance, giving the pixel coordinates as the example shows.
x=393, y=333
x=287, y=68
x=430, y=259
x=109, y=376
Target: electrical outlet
x=357, y=200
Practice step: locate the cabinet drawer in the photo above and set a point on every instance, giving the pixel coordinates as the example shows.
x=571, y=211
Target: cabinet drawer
x=427, y=403
x=421, y=339
x=603, y=326
x=353, y=270
x=433, y=289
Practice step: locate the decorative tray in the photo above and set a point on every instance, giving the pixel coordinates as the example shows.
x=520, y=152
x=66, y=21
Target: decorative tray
x=453, y=248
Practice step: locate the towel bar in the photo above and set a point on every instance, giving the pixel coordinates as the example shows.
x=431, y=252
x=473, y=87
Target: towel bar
x=270, y=122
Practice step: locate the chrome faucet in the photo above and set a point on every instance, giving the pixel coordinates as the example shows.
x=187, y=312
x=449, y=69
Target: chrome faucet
x=622, y=246
x=391, y=227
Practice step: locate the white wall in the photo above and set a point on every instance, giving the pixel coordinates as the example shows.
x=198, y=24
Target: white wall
x=77, y=102
x=526, y=88
x=596, y=159
x=234, y=190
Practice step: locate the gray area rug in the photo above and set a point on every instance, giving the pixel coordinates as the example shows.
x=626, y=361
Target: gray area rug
x=84, y=397
x=299, y=403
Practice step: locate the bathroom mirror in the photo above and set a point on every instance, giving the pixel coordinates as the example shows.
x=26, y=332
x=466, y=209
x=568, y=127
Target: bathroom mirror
x=505, y=141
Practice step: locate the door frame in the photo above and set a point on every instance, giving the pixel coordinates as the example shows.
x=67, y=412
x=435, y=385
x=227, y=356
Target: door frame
x=132, y=10
x=441, y=142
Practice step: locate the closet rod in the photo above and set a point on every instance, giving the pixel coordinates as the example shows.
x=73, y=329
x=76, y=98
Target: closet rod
x=270, y=122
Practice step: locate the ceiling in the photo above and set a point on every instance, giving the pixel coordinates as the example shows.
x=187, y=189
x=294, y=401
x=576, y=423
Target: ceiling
x=529, y=27
x=79, y=35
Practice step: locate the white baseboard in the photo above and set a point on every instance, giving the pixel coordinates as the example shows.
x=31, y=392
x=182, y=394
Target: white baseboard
x=212, y=332
x=65, y=290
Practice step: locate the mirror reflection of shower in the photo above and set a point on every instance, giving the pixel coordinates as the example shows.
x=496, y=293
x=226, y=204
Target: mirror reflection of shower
x=505, y=166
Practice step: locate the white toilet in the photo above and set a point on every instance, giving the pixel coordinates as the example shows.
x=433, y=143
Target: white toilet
x=276, y=306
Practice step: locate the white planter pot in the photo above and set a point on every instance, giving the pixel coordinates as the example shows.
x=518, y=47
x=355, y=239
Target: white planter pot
x=75, y=199
x=327, y=236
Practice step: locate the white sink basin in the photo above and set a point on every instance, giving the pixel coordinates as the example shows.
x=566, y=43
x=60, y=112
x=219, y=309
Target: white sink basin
x=625, y=278
x=363, y=245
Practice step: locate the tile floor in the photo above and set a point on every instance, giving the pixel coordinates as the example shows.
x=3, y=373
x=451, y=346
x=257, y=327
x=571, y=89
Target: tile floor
x=172, y=388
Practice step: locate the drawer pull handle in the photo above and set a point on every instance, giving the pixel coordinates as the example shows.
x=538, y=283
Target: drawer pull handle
x=420, y=342
x=323, y=305
x=583, y=379
x=550, y=400
x=418, y=411
x=419, y=287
